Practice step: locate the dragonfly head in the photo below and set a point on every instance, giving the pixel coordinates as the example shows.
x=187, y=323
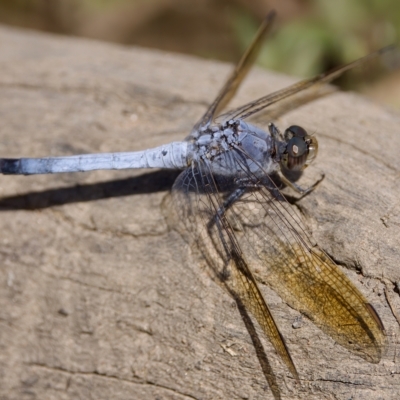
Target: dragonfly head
x=301, y=149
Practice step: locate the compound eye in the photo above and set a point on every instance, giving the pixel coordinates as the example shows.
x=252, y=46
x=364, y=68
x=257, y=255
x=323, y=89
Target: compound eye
x=297, y=147
x=301, y=148
x=296, y=131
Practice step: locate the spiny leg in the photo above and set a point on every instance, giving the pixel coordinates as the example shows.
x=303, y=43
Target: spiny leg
x=298, y=189
x=244, y=185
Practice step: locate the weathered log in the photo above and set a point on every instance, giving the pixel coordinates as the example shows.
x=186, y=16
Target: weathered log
x=100, y=297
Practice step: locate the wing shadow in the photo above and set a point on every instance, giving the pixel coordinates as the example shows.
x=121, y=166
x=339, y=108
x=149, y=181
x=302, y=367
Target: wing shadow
x=265, y=365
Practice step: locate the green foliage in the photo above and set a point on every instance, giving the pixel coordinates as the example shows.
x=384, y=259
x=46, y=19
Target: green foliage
x=332, y=33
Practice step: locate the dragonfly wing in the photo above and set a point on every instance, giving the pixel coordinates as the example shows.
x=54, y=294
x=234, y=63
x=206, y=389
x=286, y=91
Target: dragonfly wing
x=275, y=242
x=236, y=77
x=198, y=196
x=258, y=105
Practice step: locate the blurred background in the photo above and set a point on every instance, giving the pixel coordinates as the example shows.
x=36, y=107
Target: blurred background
x=310, y=36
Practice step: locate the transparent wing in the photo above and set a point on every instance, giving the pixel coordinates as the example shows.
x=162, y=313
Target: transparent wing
x=254, y=107
x=274, y=240
x=236, y=77
x=197, y=196
x=260, y=230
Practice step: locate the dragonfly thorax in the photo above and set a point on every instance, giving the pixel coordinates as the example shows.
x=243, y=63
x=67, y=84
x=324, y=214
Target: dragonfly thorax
x=237, y=148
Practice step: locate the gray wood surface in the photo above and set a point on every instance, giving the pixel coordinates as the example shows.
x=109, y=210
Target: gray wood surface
x=100, y=296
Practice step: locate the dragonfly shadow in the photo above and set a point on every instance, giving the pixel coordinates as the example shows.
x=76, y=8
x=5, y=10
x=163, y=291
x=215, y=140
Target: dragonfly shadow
x=260, y=352
x=152, y=182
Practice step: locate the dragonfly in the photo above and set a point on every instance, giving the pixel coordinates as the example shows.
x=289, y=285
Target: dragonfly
x=229, y=198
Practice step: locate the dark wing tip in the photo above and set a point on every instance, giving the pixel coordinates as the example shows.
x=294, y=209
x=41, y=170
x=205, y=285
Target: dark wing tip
x=375, y=316
x=290, y=363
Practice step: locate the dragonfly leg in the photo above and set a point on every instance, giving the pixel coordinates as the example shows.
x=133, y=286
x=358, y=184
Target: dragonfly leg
x=243, y=186
x=217, y=220
x=275, y=132
x=265, y=183
x=234, y=196
x=298, y=189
